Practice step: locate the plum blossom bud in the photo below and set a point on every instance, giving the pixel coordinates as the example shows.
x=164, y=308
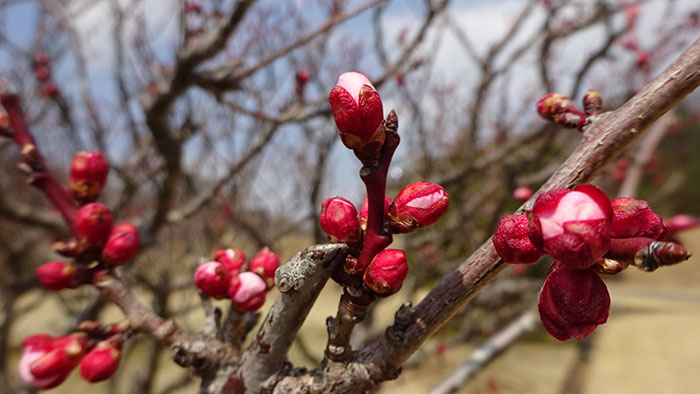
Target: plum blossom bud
x=364, y=211
x=265, y=263
x=340, y=221
x=93, y=224
x=49, y=90
x=592, y=103
x=102, y=361
x=419, y=204
x=512, y=243
x=552, y=104
x=572, y=226
x=573, y=303
x=358, y=111
x=46, y=361
x=681, y=222
x=633, y=218
x=247, y=291
x=522, y=193
x=232, y=259
x=387, y=272
x=212, y=279
x=88, y=175
x=58, y=275
x=122, y=244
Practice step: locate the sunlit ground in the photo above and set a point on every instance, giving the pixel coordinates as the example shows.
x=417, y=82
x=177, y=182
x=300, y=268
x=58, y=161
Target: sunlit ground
x=650, y=344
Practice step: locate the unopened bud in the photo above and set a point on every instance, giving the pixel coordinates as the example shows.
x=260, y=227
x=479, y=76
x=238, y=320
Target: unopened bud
x=364, y=211
x=46, y=361
x=522, y=193
x=592, y=103
x=573, y=302
x=247, y=291
x=633, y=218
x=212, y=279
x=417, y=205
x=102, y=361
x=357, y=109
x=122, y=244
x=232, y=259
x=93, y=224
x=386, y=272
x=265, y=263
x=88, y=175
x=58, y=275
x=340, y=221
x=49, y=90
x=512, y=243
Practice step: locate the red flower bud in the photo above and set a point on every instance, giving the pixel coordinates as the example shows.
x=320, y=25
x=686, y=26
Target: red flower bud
x=419, y=204
x=49, y=90
x=192, y=8
x=302, y=77
x=265, y=263
x=573, y=303
x=58, y=275
x=572, y=226
x=387, y=272
x=522, y=193
x=633, y=218
x=592, y=103
x=364, y=211
x=232, y=259
x=102, y=361
x=512, y=243
x=42, y=73
x=213, y=279
x=247, y=291
x=88, y=175
x=358, y=111
x=122, y=244
x=93, y=224
x=46, y=361
x=339, y=220
x=646, y=253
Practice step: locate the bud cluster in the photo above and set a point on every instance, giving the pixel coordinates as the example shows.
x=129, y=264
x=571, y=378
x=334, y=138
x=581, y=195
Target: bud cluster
x=370, y=269
x=47, y=361
x=560, y=109
x=587, y=234
x=227, y=277
x=98, y=245
x=42, y=72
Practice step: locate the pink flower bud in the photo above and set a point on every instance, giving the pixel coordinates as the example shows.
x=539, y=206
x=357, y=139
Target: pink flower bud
x=46, y=361
x=232, y=259
x=364, y=211
x=302, y=77
x=42, y=73
x=101, y=362
x=122, y=244
x=213, y=279
x=247, y=291
x=572, y=226
x=633, y=218
x=58, y=275
x=522, y=193
x=340, y=221
x=358, y=111
x=573, y=303
x=265, y=263
x=88, y=175
x=93, y=224
x=681, y=222
x=512, y=243
x=387, y=272
x=419, y=204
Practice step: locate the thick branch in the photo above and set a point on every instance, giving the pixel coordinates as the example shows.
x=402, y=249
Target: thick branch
x=300, y=281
